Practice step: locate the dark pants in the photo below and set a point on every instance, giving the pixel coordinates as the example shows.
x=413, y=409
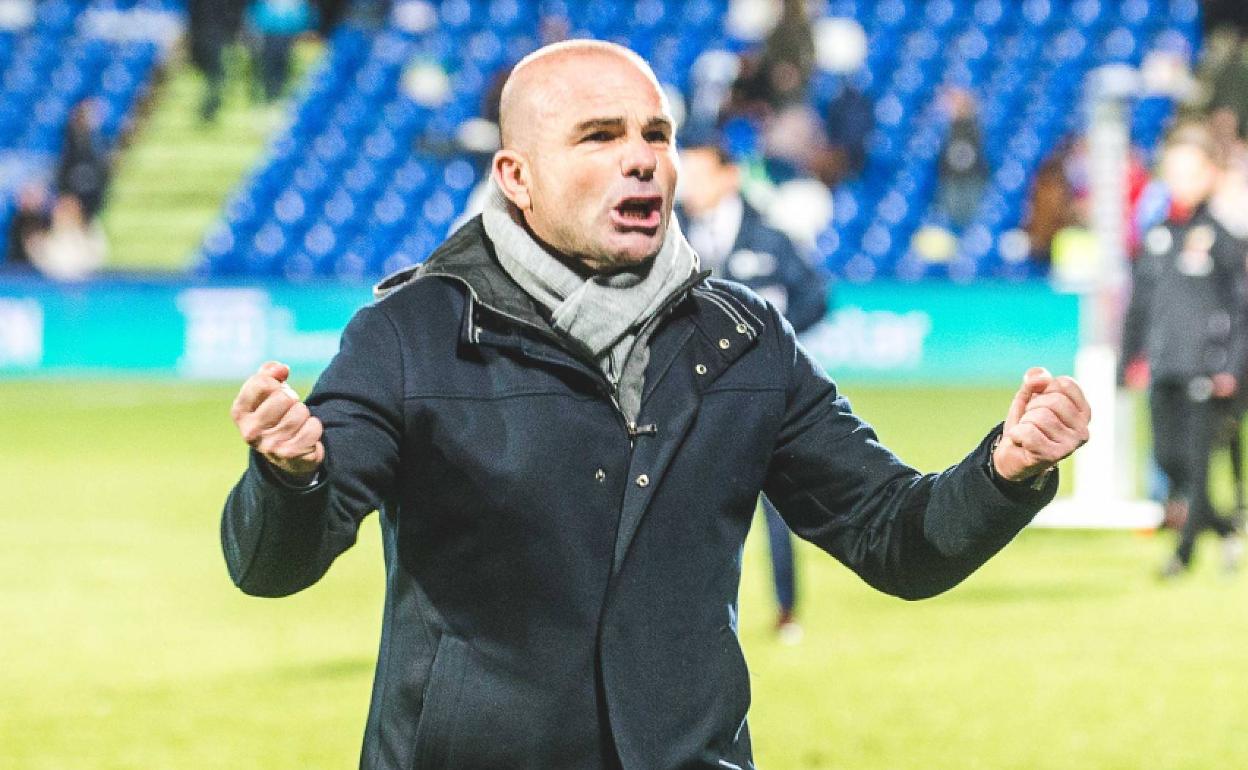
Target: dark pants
x=782, y=570
x=208, y=52
x=275, y=64
x=1186, y=430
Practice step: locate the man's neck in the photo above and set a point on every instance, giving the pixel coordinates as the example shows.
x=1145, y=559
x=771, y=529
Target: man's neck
x=577, y=265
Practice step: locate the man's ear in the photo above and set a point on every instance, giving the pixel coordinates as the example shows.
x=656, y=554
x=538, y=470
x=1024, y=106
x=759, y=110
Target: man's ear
x=511, y=174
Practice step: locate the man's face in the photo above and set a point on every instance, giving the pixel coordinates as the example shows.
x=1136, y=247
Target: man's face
x=1189, y=173
x=601, y=162
x=705, y=180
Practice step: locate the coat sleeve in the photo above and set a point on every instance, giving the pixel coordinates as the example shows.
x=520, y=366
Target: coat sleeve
x=279, y=539
x=806, y=287
x=908, y=534
x=1233, y=253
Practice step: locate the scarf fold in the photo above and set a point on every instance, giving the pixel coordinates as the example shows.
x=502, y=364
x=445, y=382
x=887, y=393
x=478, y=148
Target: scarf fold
x=602, y=314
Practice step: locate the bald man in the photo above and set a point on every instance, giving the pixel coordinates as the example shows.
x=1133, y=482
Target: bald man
x=565, y=427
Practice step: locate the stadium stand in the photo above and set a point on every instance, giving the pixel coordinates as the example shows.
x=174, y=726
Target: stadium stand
x=369, y=176
x=55, y=53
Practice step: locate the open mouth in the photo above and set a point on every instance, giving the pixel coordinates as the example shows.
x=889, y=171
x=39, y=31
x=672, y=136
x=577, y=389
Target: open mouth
x=638, y=212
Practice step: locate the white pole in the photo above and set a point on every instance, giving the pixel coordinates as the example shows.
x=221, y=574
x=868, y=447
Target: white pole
x=1104, y=484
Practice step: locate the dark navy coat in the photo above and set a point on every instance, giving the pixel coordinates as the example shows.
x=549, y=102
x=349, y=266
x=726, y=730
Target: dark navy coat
x=561, y=592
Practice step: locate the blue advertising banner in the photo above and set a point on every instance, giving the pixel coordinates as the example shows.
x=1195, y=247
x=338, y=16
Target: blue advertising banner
x=171, y=329
x=981, y=334
x=905, y=333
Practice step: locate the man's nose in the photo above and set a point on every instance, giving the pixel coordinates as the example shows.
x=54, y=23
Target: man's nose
x=639, y=159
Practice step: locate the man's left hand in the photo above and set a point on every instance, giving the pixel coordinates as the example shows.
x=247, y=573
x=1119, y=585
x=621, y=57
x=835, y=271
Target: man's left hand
x=1047, y=422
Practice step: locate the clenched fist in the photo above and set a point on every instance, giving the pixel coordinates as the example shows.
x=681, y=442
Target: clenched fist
x=275, y=423
x=1047, y=422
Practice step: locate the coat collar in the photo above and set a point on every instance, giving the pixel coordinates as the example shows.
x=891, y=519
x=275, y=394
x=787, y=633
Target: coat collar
x=467, y=256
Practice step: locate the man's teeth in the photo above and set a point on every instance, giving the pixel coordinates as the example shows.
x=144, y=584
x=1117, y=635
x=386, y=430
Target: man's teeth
x=636, y=210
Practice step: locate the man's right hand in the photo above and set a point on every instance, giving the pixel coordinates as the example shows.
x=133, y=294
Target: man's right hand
x=275, y=423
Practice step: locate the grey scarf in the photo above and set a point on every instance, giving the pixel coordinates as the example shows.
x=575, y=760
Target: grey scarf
x=602, y=314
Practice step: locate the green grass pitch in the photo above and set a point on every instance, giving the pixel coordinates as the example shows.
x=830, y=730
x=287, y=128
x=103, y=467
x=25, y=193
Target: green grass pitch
x=123, y=644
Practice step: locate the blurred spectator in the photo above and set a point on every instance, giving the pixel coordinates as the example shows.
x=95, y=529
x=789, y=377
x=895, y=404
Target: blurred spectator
x=1188, y=316
x=713, y=77
x=1051, y=206
x=29, y=227
x=1230, y=202
x=770, y=93
x=963, y=168
x=75, y=246
x=365, y=14
x=1228, y=74
x=214, y=24
x=848, y=123
x=778, y=76
x=1225, y=13
x=82, y=173
x=848, y=114
x=792, y=141
x=731, y=239
x=1073, y=250
x=277, y=24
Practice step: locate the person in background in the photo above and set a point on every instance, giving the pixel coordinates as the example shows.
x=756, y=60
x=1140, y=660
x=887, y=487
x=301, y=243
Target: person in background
x=732, y=240
x=1051, y=206
x=1188, y=316
x=770, y=94
x=848, y=123
x=82, y=175
x=963, y=167
x=212, y=25
x=75, y=246
x=278, y=23
x=1226, y=62
x=777, y=77
x=28, y=228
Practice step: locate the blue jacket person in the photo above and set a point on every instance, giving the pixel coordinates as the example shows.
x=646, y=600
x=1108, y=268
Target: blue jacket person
x=565, y=428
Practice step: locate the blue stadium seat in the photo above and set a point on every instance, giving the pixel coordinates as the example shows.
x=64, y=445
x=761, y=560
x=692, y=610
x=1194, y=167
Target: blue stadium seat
x=381, y=177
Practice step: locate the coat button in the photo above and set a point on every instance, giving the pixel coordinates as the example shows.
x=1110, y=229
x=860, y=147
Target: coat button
x=723, y=344
x=700, y=368
x=643, y=480
x=741, y=328
x=599, y=475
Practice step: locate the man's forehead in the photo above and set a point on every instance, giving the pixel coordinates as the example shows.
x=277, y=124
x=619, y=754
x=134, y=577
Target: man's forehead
x=562, y=87
x=609, y=92
x=607, y=103
x=600, y=75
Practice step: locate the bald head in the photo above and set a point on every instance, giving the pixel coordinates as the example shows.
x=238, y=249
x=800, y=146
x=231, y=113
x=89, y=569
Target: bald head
x=588, y=160
x=537, y=84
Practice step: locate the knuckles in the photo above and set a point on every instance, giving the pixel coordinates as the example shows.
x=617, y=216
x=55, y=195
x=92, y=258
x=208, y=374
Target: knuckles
x=251, y=431
x=299, y=412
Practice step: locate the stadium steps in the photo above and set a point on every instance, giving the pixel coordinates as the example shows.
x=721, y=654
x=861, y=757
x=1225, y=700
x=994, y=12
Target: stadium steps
x=173, y=177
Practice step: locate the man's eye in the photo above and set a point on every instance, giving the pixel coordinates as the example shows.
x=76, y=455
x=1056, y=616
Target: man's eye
x=657, y=136
x=598, y=136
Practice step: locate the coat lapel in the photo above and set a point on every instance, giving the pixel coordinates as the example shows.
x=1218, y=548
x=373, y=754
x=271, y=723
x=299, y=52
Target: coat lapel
x=683, y=365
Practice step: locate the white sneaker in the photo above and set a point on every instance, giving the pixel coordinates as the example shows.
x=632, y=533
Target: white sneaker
x=1232, y=552
x=789, y=632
